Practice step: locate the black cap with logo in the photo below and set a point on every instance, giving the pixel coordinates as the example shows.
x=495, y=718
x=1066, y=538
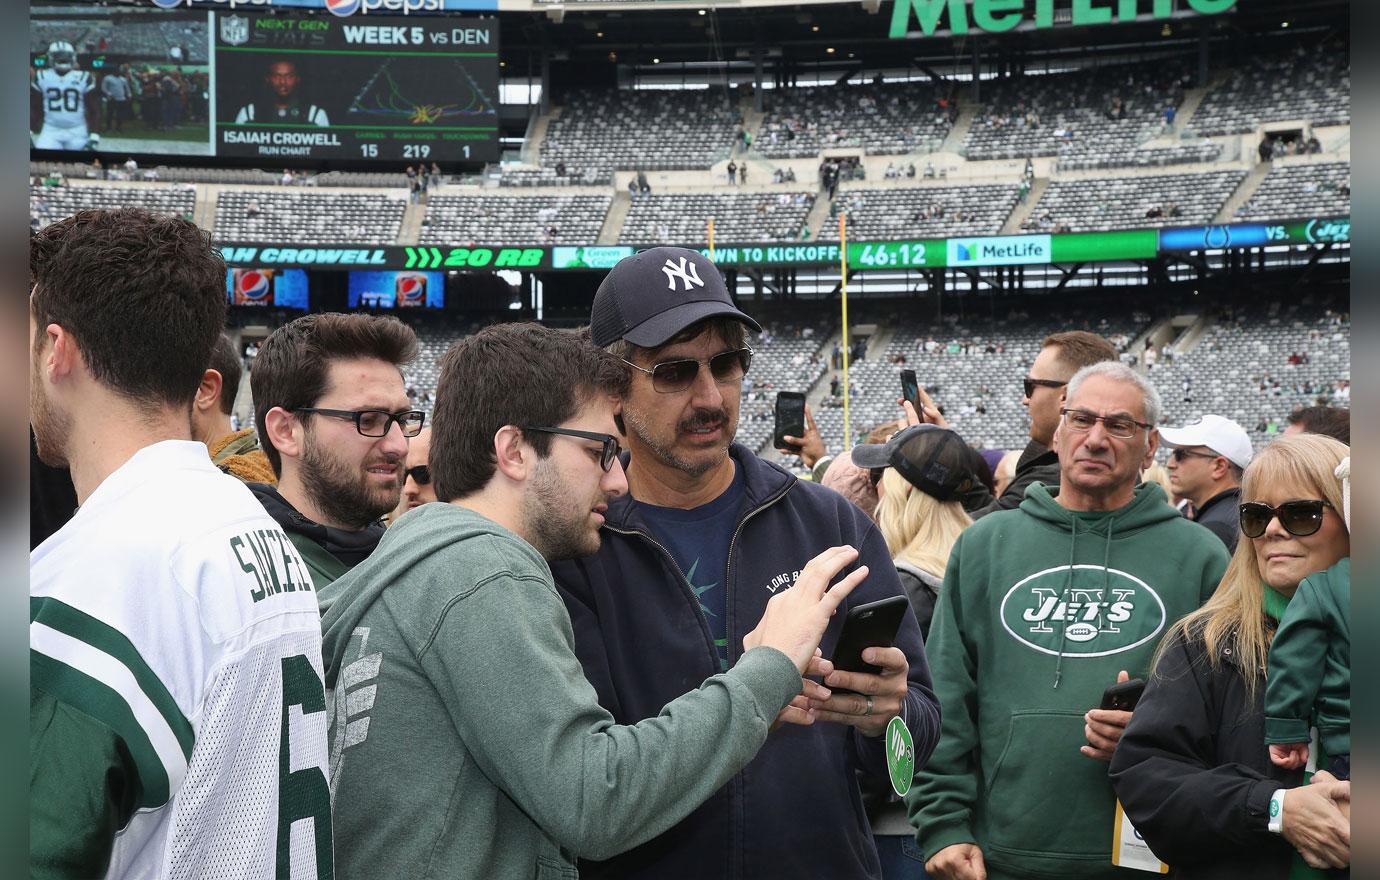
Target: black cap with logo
x=653, y=295
x=934, y=460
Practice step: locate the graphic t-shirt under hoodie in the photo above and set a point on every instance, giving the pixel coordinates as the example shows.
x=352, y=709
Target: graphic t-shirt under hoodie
x=1041, y=607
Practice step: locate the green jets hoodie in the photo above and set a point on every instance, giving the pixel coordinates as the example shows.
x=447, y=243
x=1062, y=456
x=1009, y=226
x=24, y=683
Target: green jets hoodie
x=465, y=740
x=1041, y=607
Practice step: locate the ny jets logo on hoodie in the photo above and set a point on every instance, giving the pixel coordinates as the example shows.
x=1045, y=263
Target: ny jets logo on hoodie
x=1082, y=611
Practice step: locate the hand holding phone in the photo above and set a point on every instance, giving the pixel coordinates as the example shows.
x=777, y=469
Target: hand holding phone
x=910, y=388
x=790, y=419
x=873, y=625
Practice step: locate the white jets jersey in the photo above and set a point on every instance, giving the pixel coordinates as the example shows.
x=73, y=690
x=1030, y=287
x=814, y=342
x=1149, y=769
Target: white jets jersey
x=173, y=610
x=64, y=96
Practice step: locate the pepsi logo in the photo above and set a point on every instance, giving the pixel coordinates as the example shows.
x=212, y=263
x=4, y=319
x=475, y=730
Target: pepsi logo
x=411, y=289
x=252, y=286
x=167, y=4
x=1081, y=632
x=343, y=8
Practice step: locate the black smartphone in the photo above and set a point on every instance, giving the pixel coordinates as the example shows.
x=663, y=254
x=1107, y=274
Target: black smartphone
x=790, y=419
x=873, y=625
x=1124, y=695
x=910, y=389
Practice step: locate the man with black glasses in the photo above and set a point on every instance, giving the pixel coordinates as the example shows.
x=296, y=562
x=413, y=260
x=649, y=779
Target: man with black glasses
x=1205, y=467
x=705, y=537
x=1044, y=607
x=334, y=419
x=1061, y=355
x=465, y=740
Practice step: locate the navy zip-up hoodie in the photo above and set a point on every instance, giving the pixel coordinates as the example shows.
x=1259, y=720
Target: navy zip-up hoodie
x=795, y=810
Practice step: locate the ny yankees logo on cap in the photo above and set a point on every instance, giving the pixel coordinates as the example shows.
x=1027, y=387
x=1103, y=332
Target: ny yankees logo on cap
x=674, y=271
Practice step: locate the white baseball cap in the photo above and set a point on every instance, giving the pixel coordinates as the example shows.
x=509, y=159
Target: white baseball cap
x=1221, y=435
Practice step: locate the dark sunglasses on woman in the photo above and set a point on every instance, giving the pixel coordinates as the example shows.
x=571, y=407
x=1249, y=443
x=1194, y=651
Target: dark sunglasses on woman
x=1300, y=518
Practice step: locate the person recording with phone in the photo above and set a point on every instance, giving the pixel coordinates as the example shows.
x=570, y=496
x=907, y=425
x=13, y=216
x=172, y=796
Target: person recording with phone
x=705, y=536
x=1042, y=608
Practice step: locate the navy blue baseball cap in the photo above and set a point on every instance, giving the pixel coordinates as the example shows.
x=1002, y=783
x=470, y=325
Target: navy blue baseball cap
x=934, y=460
x=653, y=295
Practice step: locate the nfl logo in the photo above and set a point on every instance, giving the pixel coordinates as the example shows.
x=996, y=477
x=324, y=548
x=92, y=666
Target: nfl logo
x=234, y=29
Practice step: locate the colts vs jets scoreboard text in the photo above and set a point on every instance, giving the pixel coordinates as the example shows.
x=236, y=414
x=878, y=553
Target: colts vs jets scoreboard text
x=395, y=89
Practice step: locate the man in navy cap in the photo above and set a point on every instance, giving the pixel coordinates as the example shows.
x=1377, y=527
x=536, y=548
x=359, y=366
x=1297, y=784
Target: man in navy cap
x=706, y=534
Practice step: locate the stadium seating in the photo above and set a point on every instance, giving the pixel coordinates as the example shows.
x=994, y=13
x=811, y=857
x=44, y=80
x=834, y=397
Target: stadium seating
x=576, y=219
x=1311, y=86
x=49, y=203
x=1072, y=115
x=682, y=218
x=647, y=130
x=309, y=217
x=889, y=118
x=1100, y=203
x=899, y=213
x=1300, y=191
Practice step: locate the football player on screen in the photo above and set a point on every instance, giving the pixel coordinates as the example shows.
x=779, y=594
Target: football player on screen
x=62, y=108
x=282, y=102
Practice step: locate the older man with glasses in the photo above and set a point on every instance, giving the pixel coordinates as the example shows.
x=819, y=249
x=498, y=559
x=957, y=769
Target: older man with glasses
x=691, y=556
x=334, y=420
x=1205, y=466
x=1042, y=608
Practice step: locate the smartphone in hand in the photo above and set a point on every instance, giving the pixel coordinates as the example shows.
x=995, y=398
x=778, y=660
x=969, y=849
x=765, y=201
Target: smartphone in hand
x=910, y=388
x=1123, y=695
x=873, y=625
x=790, y=419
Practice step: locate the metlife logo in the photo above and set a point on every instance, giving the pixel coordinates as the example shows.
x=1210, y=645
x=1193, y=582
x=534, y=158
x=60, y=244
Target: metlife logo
x=341, y=8
x=998, y=250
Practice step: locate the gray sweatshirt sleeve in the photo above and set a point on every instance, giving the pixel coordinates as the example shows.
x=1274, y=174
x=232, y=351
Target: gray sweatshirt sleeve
x=503, y=658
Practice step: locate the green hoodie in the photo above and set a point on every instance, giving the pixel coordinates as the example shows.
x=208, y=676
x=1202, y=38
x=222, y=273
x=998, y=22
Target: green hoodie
x=1041, y=607
x=1309, y=680
x=465, y=740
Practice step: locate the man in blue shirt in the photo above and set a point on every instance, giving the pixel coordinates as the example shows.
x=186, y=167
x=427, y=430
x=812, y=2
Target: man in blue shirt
x=706, y=535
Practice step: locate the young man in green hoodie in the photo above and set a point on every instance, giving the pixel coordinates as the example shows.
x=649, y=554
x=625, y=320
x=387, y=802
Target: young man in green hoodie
x=465, y=739
x=1042, y=608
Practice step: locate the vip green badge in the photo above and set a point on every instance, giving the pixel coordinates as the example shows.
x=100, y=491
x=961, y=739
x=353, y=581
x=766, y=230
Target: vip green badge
x=900, y=755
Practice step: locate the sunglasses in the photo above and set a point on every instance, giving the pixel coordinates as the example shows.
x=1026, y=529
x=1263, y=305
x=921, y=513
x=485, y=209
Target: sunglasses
x=1121, y=427
x=608, y=454
x=1031, y=384
x=1180, y=454
x=1299, y=518
x=420, y=474
x=669, y=377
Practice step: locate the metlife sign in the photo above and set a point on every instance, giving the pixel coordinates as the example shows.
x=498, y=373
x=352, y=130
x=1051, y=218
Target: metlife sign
x=999, y=250
x=997, y=16
x=342, y=8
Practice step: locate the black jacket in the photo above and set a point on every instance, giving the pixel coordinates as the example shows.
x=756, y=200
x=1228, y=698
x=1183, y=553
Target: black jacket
x=1222, y=515
x=1194, y=774
x=1037, y=464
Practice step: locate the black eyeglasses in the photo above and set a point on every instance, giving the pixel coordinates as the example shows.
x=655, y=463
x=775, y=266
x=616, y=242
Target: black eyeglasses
x=1180, y=454
x=669, y=377
x=1120, y=427
x=1031, y=384
x=1301, y=518
x=374, y=422
x=607, y=456
x=420, y=474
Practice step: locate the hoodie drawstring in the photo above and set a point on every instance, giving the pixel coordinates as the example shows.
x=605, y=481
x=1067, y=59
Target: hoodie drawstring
x=1064, y=598
x=1068, y=583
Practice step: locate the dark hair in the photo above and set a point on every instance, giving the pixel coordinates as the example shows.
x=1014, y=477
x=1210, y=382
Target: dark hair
x=142, y=294
x=510, y=374
x=226, y=361
x=293, y=363
x=1079, y=349
x=1330, y=421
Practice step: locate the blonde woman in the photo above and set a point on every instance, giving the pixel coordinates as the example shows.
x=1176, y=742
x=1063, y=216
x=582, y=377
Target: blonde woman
x=1192, y=769
x=922, y=474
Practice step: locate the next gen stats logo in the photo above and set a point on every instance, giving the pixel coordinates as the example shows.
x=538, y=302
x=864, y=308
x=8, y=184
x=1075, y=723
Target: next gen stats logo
x=998, y=250
x=341, y=8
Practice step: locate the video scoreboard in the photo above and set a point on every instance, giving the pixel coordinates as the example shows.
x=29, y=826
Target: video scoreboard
x=226, y=83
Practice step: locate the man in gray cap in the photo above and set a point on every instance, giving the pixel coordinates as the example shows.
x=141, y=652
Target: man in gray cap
x=706, y=534
x=1205, y=467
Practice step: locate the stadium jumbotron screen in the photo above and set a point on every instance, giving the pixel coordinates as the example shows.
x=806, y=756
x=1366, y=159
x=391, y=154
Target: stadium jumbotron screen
x=202, y=83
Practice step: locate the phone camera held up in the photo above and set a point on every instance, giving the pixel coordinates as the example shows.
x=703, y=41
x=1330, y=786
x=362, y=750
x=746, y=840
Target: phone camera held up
x=790, y=419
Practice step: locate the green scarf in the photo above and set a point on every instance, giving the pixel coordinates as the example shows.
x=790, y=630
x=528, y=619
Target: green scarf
x=1275, y=603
